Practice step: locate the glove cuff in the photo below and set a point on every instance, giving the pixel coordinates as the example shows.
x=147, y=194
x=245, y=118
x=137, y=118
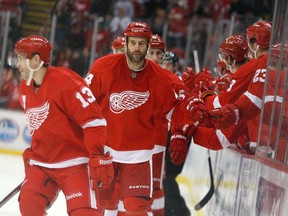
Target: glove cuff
x=207, y=93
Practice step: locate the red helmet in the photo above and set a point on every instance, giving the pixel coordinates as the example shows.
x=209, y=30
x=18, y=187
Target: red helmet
x=157, y=42
x=118, y=43
x=34, y=44
x=236, y=46
x=261, y=31
x=138, y=29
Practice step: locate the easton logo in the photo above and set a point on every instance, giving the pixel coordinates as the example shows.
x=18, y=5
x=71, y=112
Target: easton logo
x=138, y=187
x=127, y=100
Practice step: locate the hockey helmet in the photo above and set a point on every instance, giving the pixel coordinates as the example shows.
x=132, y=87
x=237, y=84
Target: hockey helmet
x=170, y=57
x=34, y=44
x=261, y=32
x=138, y=29
x=235, y=46
x=118, y=43
x=157, y=42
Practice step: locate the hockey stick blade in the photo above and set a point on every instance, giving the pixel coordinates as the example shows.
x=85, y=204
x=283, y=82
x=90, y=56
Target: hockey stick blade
x=10, y=195
x=211, y=191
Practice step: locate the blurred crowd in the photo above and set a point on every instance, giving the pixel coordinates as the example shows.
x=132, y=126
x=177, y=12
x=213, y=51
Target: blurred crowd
x=75, y=23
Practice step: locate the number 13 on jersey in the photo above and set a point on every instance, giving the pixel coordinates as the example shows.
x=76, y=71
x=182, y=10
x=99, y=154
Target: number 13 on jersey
x=85, y=97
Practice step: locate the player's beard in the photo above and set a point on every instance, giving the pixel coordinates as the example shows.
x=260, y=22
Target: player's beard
x=136, y=59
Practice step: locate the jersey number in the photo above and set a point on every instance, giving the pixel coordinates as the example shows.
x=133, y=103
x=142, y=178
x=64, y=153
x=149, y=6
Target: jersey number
x=88, y=79
x=85, y=96
x=259, y=76
x=231, y=85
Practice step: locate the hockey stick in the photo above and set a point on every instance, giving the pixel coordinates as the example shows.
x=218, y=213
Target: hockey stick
x=10, y=195
x=211, y=191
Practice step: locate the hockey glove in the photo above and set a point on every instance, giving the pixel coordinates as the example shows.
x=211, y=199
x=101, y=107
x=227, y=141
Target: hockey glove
x=188, y=77
x=101, y=171
x=223, y=83
x=179, y=144
x=197, y=110
x=225, y=116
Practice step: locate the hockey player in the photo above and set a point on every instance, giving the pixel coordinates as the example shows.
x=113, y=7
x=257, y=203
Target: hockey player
x=174, y=203
x=156, y=53
x=170, y=61
x=68, y=134
x=118, y=45
x=234, y=52
x=250, y=104
x=258, y=36
x=157, y=49
x=133, y=92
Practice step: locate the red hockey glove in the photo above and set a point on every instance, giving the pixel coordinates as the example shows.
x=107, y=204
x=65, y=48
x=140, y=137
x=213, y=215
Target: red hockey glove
x=101, y=171
x=225, y=116
x=204, y=79
x=188, y=77
x=207, y=94
x=198, y=111
x=223, y=83
x=179, y=144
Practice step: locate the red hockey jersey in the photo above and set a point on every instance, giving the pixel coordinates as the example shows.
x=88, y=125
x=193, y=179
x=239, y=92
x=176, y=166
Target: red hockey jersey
x=239, y=84
x=131, y=103
x=65, y=122
x=250, y=103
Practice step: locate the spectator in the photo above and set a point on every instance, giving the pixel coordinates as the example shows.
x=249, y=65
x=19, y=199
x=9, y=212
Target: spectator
x=9, y=88
x=119, y=22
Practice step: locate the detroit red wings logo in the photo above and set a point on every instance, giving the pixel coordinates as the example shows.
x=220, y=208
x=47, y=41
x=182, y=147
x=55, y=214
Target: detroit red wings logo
x=127, y=100
x=36, y=116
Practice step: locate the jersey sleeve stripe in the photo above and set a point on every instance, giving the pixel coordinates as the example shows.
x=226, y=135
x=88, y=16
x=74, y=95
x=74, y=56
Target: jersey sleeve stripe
x=254, y=99
x=95, y=123
x=222, y=139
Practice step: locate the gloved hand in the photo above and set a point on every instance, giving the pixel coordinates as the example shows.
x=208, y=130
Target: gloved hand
x=223, y=83
x=197, y=109
x=204, y=79
x=225, y=116
x=188, y=77
x=179, y=144
x=101, y=171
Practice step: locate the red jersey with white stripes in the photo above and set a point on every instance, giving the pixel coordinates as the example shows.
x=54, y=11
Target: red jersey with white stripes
x=250, y=103
x=131, y=102
x=239, y=84
x=65, y=121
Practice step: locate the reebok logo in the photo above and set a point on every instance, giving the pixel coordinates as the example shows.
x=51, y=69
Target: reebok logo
x=74, y=195
x=105, y=162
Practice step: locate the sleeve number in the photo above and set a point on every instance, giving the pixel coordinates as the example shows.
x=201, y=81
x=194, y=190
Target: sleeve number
x=259, y=76
x=231, y=85
x=88, y=79
x=85, y=96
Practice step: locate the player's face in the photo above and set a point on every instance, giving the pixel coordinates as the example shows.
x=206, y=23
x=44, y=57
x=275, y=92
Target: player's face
x=119, y=51
x=21, y=65
x=168, y=66
x=155, y=55
x=137, y=48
